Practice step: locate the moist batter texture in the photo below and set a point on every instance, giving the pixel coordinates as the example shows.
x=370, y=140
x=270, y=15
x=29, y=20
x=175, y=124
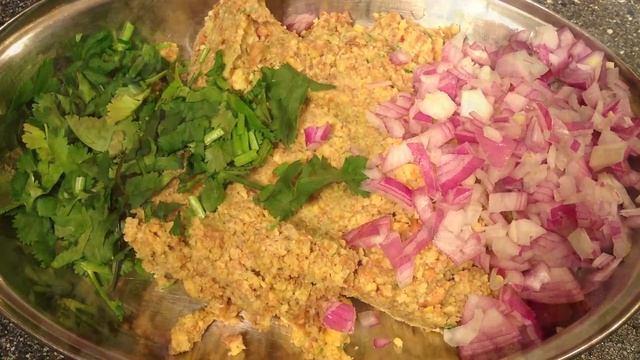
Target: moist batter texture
x=245, y=264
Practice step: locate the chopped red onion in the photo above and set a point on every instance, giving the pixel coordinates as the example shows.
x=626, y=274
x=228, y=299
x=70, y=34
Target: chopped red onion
x=300, y=22
x=562, y=288
x=507, y=201
x=390, y=188
x=404, y=273
x=400, y=57
x=454, y=169
x=520, y=65
x=464, y=334
x=314, y=136
x=544, y=128
x=422, y=203
x=340, y=317
x=421, y=158
x=582, y=244
x=536, y=277
x=379, y=342
x=602, y=260
x=370, y=234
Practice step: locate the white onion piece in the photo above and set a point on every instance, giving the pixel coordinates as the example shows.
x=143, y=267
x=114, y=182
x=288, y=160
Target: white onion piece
x=603, y=156
x=464, y=334
x=602, y=260
x=582, y=244
x=563, y=288
x=519, y=64
x=536, y=277
x=507, y=201
x=474, y=102
x=523, y=231
x=438, y=105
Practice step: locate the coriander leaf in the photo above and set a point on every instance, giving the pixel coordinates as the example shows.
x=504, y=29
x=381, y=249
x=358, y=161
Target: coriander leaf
x=141, y=188
x=124, y=138
x=287, y=91
x=215, y=159
x=46, y=206
x=36, y=233
x=242, y=109
x=224, y=120
x=164, y=210
x=72, y=254
x=215, y=74
x=125, y=103
x=298, y=182
x=178, y=228
x=101, y=245
x=278, y=198
x=7, y=201
x=85, y=90
x=171, y=91
x=41, y=82
x=44, y=80
x=93, y=132
x=210, y=94
x=352, y=173
x=24, y=188
x=212, y=195
x=45, y=110
x=165, y=163
x=257, y=97
x=35, y=139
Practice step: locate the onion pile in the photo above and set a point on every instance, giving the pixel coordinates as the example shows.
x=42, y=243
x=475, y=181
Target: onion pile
x=524, y=154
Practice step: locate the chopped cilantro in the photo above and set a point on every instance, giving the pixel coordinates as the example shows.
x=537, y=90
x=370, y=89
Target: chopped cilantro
x=286, y=92
x=298, y=182
x=112, y=123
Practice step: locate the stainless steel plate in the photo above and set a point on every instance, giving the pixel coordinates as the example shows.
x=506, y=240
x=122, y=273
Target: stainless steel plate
x=36, y=34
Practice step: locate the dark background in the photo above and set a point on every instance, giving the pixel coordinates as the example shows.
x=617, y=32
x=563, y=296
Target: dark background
x=614, y=22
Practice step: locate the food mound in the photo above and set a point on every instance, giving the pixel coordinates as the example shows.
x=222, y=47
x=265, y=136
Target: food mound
x=318, y=177
x=242, y=260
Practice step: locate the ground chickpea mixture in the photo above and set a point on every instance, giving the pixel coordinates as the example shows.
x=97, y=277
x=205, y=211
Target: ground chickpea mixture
x=243, y=262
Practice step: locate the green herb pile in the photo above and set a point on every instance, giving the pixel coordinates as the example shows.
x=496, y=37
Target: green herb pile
x=109, y=123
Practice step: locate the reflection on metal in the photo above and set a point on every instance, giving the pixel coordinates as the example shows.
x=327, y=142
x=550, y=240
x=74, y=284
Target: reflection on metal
x=34, y=35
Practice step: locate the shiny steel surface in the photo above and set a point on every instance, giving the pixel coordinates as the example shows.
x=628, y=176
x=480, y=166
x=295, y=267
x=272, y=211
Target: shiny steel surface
x=36, y=34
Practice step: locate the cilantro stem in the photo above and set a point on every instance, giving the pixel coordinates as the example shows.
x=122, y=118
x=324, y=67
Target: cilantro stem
x=236, y=144
x=241, y=127
x=196, y=206
x=79, y=184
x=115, y=306
x=155, y=78
x=213, y=135
x=245, y=158
x=244, y=142
x=253, y=141
x=204, y=54
x=127, y=31
x=240, y=180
